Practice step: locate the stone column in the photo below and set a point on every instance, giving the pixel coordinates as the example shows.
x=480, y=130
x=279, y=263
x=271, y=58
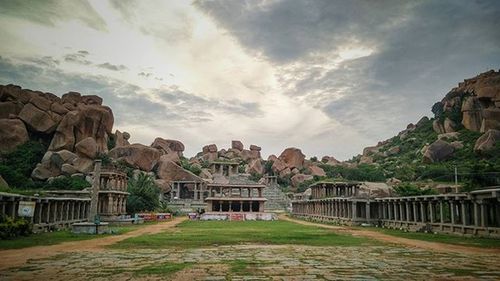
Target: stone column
x=476, y=214
x=368, y=214
x=95, y=190
x=452, y=212
x=400, y=203
x=463, y=215
x=415, y=214
x=354, y=210
x=407, y=206
x=422, y=212
x=195, y=191
x=432, y=211
x=391, y=209
x=483, y=213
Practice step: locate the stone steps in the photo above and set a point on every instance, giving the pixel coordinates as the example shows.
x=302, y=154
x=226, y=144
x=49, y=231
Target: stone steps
x=276, y=199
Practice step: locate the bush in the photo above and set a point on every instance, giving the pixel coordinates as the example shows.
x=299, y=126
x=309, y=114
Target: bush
x=11, y=228
x=407, y=189
x=144, y=194
x=16, y=167
x=67, y=183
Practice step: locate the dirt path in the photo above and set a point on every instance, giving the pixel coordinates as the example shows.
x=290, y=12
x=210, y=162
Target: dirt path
x=18, y=257
x=433, y=246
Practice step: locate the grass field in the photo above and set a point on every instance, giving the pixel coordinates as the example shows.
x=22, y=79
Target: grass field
x=194, y=234
x=56, y=237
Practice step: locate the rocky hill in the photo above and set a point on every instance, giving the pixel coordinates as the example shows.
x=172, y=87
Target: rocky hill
x=464, y=133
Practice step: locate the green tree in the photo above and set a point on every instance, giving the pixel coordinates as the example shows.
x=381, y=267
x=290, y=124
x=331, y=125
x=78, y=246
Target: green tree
x=144, y=194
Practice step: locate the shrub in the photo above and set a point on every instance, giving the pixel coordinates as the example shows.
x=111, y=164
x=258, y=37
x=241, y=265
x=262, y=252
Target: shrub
x=407, y=189
x=144, y=194
x=16, y=167
x=67, y=183
x=11, y=228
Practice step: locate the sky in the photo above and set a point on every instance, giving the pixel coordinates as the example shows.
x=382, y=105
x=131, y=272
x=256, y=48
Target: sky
x=329, y=77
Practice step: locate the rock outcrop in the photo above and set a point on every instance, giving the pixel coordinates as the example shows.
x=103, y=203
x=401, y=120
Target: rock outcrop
x=438, y=151
x=169, y=171
x=12, y=134
x=166, y=146
x=137, y=155
x=292, y=158
x=487, y=141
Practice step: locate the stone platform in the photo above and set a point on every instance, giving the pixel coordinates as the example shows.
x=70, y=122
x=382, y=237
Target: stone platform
x=238, y=216
x=90, y=228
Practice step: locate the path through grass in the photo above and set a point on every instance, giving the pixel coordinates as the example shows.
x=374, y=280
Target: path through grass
x=57, y=237
x=194, y=234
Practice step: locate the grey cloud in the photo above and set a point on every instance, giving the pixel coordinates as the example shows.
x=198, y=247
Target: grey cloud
x=187, y=102
x=112, y=67
x=78, y=57
x=145, y=74
x=421, y=49
x=50, y=12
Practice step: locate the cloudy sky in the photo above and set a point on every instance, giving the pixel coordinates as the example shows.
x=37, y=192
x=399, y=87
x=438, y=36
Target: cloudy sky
x=329, y=77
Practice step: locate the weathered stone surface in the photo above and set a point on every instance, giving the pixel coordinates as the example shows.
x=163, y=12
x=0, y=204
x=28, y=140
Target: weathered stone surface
x=121, y=139
x=41, y=103
x=491, y=119
x=292, y=157
x=438, y=127
x=12, y=134
x=487, y=141
x=449, y=126
x=366, y=160
x=367, y=151
x=285, y=172
x=255, y=148
x=236, y=144
x=278, y=165
x=68, y=170
x=393, y=150
x=374, y=190
x=71, y=98
x=66, y=156
x=422, y=121
x=37, y=120
x=83, y=165
x=169, y=171
x=255, y=167
x=471, y=114
x=10, y=108
x=317, y=171
x=163, y=185
x=87, y=148
x=330, y=160
x=169, y=146
x=247, y=155
x=137, y=155
x=438, y=151
x=58, y=108
x=91, y=99
x=87, y=121
x=212, y=148
x=174, y=157
x=457, y=145
x=299, y=178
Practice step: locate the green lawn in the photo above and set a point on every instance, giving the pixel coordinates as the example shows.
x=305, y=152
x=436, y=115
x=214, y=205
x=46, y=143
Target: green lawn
x=194, y=234
x=443, y=238
x=56, y=237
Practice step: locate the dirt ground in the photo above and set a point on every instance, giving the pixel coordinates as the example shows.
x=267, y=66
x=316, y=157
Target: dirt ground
x=433, y=246
x=18, y=257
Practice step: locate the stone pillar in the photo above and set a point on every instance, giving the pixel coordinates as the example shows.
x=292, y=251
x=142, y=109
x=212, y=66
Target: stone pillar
x=195, y=191
x=452, y=212
x=354, y=210
x=483, y=213
x=401, y=212
x=95, y=190
x=368, y=214
x=423, y=216
x=391, y=209
x=384, y=211
x=432, y=211
x=407, y=206
x=415, y=214
x=476, y=214
x=463, y=214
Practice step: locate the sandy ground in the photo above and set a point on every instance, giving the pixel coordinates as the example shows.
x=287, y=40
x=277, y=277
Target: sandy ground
x=433, y=246
x=18, y=257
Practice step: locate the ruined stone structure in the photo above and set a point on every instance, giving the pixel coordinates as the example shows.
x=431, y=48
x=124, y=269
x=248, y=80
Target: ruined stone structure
x=224, y=168
x=474, y=213
x=50, y=212
x=235, y=198
x=277, y=201
x=62, y=208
